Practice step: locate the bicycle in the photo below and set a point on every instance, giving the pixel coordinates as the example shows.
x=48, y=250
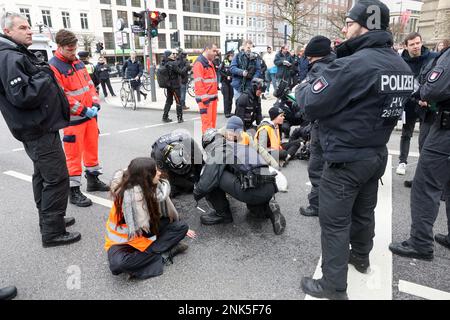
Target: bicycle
x=189, y=88
x=127, y=94
x=145, y=82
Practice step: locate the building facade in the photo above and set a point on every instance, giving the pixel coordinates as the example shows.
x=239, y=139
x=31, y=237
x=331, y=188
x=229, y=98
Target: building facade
x=434, y=23
x=233, y=21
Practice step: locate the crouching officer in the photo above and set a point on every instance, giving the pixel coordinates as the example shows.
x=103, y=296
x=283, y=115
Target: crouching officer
x=433, y=170
x=180, y=157
x=237, y=169
x=248, y=105
x=358, y=99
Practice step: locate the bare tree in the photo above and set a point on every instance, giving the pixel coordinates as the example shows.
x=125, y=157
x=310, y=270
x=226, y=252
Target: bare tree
x=87, y=42
x=293, y=13
x=337, y=22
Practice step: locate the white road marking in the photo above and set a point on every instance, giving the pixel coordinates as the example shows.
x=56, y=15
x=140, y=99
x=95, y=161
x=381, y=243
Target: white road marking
x=101, y=201
x=128, y=130
x=377, y=284
x=18, y=149
x=104, y=134
x=422, y=291
x=397, y=153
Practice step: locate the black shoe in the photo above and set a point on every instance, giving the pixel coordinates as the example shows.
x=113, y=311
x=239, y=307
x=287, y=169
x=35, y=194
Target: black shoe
x=228, y=115
x=408, y=183
x=79, y=199
x=145, y=97
x=404, y=249
x=214, y=217
x=180, y=119
x=166, y=119
x=185, y=108
x=66, y=238
x=114, y=95
x=263, y=97
x=94, y=183
x=69, y=221
x=315, y=289
x=167, y=256
x=309, y=212
x=443, y=240
x=256, y=215
x=360, y=263
x=8, y=293
x=277, y=219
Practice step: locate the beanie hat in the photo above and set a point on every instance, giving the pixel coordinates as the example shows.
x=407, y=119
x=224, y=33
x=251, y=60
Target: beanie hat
x=275, y=112
x=83, y=54
x=167, y=53
x=367, y=17
x=235, y=123
x=318, y=46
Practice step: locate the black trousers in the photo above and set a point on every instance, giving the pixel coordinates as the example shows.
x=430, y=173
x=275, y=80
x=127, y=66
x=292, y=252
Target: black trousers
x=289, y=148
x=173, y=93
x=136, y=87
x=348, y=197
x=180, y=183
x=142, y=265
x=315, y=167
x=228, y=93
x=104, y=83
x=407, y=133
x=257, y=199
x=50, y=183
x=432, y=178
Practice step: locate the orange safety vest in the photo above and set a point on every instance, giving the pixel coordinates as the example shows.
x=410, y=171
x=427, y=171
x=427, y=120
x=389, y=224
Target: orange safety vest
x=118, y=234
x=274, y=139
x=245, y=139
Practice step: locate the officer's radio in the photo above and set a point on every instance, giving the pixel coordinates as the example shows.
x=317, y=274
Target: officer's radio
x=445, y=119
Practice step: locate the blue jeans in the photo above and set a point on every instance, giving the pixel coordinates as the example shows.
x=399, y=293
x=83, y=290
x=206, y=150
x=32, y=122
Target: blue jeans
x=183, y=89
x=270, y=78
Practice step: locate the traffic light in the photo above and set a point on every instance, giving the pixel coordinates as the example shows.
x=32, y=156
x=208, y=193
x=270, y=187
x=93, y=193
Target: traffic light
x=139, y=19
x=99, y=47
x=155, y=18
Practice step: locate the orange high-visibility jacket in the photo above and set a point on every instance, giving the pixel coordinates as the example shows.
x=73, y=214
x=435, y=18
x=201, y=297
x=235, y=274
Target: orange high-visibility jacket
x=77, y=84
x=205, y=81
x=274, y=140
x=118, y=234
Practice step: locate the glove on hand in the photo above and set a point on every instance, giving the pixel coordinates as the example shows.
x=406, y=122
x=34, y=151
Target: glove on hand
x=91, y=112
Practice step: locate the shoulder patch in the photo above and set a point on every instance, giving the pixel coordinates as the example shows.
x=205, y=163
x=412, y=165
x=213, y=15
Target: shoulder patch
x=319, y=85
x=435, y=74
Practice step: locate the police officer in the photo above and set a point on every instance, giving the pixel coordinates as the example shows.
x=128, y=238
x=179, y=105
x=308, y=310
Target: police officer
x=245, y=66
x=248, y=105
x=433, y=170
x=180, y=157
x=185, y=65
x=237, y=169
x=358, y=99
x=318, y=53
x=84, y=57
x=225, y=80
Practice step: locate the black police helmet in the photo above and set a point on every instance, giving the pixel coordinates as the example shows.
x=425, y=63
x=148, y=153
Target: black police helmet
x=258, y=83
x=177, y=158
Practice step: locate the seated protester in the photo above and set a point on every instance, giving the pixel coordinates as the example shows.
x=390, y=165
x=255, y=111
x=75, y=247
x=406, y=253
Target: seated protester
x=143, y=231
x=248, y=105
x=293, y=115
x=178, y=155
x=269, y=137
x=235, y=168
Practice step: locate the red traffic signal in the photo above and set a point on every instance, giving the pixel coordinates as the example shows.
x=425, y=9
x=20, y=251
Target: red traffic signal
x=156, y=17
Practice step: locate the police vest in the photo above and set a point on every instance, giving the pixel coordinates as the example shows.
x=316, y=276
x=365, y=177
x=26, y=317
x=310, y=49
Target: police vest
x=274, y=139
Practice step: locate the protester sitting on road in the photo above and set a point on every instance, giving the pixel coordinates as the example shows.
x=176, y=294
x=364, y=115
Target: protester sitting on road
x=143, y=231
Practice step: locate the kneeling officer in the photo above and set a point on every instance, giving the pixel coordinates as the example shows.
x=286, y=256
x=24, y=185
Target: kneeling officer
x=232, y=166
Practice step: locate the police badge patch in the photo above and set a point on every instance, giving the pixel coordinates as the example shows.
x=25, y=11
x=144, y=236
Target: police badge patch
x=435, y=74
x=319, y=85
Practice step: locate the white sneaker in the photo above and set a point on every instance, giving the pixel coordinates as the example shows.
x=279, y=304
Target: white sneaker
x=401, y=169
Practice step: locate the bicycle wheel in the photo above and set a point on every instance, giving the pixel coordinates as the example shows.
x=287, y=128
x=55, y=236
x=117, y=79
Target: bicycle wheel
x=190, y=90
x=133, y=100
x=146, y=83
x=124, y=97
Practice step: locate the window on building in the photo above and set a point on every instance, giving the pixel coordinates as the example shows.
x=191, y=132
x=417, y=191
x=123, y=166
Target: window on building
x=195, y=6
x=123, y=15
x=242, y=5
x=226, y=5
x=136, y=3
x=215, y=8
x=162, y=44
x=162, y=24
x=207, y=6
x=231, y=3
x=173, y=4
x=108, y=40
x=126, y=40
x=107, y=20
x=201, y=24
x=105, y=1
x=173, y=21
x=137, y=42
x=231, y=20
x=66, y=19
x=46, y=18
x=159, y=4
x=198, y=42
x=227, y=20
x=121, y=2
x=26, y=13
x=84, y=21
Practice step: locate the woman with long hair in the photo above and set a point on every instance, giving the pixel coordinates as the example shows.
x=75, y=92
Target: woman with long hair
x=143, y=231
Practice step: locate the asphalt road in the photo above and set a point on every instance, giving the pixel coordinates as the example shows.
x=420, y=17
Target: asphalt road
x=242, y=260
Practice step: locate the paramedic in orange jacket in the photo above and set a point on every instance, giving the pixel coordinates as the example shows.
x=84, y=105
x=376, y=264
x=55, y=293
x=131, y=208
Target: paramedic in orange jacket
x=81, y=136
x=206, y=86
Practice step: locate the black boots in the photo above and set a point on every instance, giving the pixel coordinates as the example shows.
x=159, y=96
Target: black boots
x=443, y=240
x=94, y=183
x=167, y=256
x=69, y=221
x=405, y=249
x=79, y=199
x=213, y=217
x=166, y=119
x=180, y=118
x=360, y=263
x=316, y=289
x=308, y=212
x=277, y=219
x=61, y=240
x=8, y=293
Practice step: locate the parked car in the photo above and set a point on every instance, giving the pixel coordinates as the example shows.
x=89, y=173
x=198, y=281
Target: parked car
x=114, y=72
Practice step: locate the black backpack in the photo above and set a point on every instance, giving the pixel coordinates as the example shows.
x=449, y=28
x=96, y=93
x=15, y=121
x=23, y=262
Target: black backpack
x=163, y=77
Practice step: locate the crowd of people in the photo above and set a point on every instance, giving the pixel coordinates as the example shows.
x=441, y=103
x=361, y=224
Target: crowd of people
x=348, y=99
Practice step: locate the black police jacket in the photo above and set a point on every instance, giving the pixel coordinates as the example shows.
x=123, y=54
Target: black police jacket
x=175, y=73
x=225, y=71
x=185, y=66
x=31, y=100
x=248, y=108
x=102, y=71
x=359, y=97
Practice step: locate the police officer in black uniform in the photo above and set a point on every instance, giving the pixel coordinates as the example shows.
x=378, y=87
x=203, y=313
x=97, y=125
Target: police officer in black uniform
x=248, y=105
x=433, y=170
x=180, y=157
x=318, y=52
x=358, y=99
x=225, y=81
x=237, y=169
x=185, y=65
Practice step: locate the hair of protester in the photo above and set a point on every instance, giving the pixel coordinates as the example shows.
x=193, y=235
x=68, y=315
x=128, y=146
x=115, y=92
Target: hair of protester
x=445, y=42
x=6, y=21
x=248, y=41
x=412, y=36
x=65, y=38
